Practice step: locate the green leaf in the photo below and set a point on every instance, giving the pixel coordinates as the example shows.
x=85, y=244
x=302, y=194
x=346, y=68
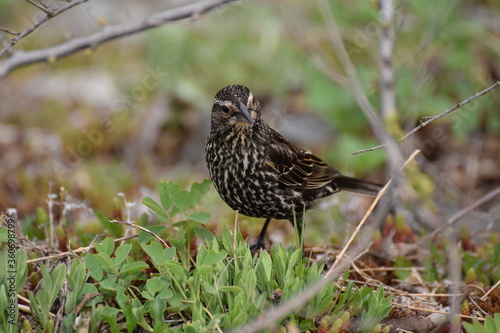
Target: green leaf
x=145, y=237
x=375, y=308
x=121, y=253
x=4, y=300
x=107, y=246
x=204, y=234
x=489, y=325
x=164, y=194
x=153, y=285
x=95, y=266
x=213, y=257
x=157, y=310
x=165, y=294
x=227, y=241
x=198, y=191
x=115, y=229
x=264, y=272
x=200, y=217
x=178, y=272
x=110, y=283
x=133, y=267
x=402, y=262
x=110, y=315
x=22, y=269
x=35, y=305
x=247, y=280
x=175, y=300
x=4, y=235
x=156, y=209
x=107, y=263
x=55, y=282
x=158, y=254
x=179, y=197
x=210, y=288
x=231, y=289
x=76, y=280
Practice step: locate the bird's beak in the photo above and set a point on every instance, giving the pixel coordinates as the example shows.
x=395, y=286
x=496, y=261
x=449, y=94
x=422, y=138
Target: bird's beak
x=246, y=115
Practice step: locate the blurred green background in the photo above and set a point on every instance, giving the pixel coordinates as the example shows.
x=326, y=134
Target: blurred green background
x=135, y=110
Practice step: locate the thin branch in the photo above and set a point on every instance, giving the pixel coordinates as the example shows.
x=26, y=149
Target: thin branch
x=393, y=152
x=367, y=214
x=27, y=309
x=42, y=6
x=386, y=82
x=416, y=308
x=485, y=296
x=20, y=58
x=463, y=212
x=359, y=226
x=441, y=115
x=15, y=33
x=485, y=198
x=48, y=16
x=235, y=232
x=455, y=275
x=72, y=252
x=140, y=228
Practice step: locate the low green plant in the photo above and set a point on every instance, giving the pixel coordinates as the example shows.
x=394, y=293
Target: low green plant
x=225, y=288
x=12, y=280
x=42, y=302
x=491, y=325
x=163, y=287
x=375, y=308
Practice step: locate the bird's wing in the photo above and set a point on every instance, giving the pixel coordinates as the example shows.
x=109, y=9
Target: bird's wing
x=297, y=167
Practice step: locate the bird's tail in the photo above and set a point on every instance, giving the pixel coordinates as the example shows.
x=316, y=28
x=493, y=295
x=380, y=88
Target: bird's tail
x=357, y=185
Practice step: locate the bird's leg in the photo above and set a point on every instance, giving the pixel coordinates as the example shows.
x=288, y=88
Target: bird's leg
x=261, y=243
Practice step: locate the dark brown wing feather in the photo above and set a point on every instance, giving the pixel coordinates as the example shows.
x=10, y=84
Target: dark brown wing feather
x=297, y=167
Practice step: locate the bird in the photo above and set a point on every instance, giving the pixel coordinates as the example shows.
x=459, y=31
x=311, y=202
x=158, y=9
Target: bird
x=259, y=173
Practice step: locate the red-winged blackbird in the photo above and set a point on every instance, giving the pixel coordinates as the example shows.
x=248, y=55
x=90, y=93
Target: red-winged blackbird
x=258, y=172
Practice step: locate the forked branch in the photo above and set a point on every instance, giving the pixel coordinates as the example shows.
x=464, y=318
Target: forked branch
x=441, y=115
x=21, y=58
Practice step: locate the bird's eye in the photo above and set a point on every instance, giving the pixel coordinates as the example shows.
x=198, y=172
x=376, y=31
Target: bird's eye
x=225, y=109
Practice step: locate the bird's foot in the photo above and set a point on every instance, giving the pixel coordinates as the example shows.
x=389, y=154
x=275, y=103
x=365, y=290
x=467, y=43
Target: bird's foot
x=257, y=245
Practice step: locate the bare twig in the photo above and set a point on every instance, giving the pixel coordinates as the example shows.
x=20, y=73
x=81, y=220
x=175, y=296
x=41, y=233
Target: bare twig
x=441, y=115
x=140, y=228
x=393, y=152
x=358, y=227
x=234, y=232
x=207, y=311
x=391, y=269
x=27, y=309
x=50, y=14
x=367, y=214
x=86, y=297
x=485, y=198
x=42, y=6
x=485, y=296
x=72, y=252
x=455, y=274
x=20, y=58
x=463, y=212
x=480, y=309
x=416, y=308
x=386, y=81
x=9, y=31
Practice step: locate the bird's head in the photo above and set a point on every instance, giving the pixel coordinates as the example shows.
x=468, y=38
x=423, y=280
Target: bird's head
x=234, y=106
